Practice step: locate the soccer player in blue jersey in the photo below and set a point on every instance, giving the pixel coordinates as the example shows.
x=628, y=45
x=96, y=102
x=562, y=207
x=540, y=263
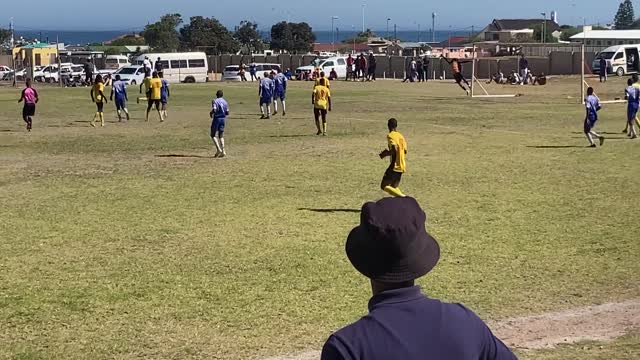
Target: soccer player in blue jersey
x=280, y=82
x=592, y=105
x=219, y=113
x=119, y=89
x=164, y=94
x=266, y=90
x=632, y=94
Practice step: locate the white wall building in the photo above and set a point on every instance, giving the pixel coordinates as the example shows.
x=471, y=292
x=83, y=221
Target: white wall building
x=606, y=37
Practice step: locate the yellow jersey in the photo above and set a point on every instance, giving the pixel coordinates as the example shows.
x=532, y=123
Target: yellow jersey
x=155, y=86
x=98, y=88
x=321, y=95
x=147, y=83
x=396, y=141
x=636, y=85
x=326, y=81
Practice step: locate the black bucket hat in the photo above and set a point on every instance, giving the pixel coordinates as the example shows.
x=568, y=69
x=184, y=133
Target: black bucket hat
x=391, y=244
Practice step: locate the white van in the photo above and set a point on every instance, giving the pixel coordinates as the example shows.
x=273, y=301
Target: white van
x=621, y=59
x=187, y=67
x=115, y=62
x=339, y=63
x=232, y=72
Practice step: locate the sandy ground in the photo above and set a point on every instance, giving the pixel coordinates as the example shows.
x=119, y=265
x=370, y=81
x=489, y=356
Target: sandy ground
x=597, y=323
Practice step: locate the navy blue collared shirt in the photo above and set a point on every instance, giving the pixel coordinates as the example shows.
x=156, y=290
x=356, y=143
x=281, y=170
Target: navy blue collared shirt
x=405, y=324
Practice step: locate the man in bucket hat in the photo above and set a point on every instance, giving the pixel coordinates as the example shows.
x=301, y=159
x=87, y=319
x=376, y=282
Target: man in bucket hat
x=392, y=248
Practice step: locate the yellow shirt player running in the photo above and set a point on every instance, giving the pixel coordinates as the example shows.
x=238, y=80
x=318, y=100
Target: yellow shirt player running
x=398, y=152
x=154, y=94
x=98, y=97
x=321, y=100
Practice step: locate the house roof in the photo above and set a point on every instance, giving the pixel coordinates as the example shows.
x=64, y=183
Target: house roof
x=38, y=46
x=453, y=41
x=608, y=34
x=318, y=47
x=519, y=24
x=413, y=45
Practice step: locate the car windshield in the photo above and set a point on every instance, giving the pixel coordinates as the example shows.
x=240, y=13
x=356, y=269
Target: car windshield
x=232, y=68
x=607, y=55
x=127, y=71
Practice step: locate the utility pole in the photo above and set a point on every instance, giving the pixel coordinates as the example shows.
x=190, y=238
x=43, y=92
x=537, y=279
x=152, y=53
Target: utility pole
x=59, y=61
x=388, y=19
x=13, y=59
x=433, y=27
x=363, y=6
x=395, y=32
x=418, y=32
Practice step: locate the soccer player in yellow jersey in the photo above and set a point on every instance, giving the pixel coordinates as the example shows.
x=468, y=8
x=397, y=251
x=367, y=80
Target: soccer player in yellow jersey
x=146, y=83
x=398, y=152
x=155, y=95
x=98, y=97
x=326, y=81
x=321, y=100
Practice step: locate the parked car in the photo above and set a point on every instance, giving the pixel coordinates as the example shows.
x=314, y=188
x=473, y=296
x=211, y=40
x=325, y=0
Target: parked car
x=232, y=72
x=8, y=76
x=339, y=63
x=133, y=74
x=4, y=70
x=621, y=60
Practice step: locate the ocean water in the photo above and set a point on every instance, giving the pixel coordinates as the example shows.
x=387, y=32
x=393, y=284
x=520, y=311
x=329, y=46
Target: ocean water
x=89, y=37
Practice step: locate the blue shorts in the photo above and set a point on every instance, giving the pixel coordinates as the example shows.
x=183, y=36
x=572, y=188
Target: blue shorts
x=266, y=100
x=164, y=100
x=280, y=94
x=217, y=126
x=121, y=103
x=589, y=124
x=632, y=111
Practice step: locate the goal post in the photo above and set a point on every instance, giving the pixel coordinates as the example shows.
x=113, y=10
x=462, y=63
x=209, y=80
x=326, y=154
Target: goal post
x=475, y=81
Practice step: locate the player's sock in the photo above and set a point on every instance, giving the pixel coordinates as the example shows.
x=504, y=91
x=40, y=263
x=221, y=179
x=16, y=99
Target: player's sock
x=93, y=121
x=119, y=115
x=590, y=138
x=268, y=112
x=160, y=115
x=275, y=107
x=394, y=191
x=224, y=152
x=284, y=108
x=101, y=119
x=126, y=113
x=217, y=144
x=324, y=127
x=318, y=127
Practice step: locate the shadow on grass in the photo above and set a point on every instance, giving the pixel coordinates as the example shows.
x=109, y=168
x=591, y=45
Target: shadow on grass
x=184, y=156
x=351, y=211
x=291, y=136
x=556, y=147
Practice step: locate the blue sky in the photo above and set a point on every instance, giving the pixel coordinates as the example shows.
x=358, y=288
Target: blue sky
x=459, y=14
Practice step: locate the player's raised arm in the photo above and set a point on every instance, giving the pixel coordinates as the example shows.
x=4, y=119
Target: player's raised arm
x=111, y=96
x=22, y=96
x=93, y=99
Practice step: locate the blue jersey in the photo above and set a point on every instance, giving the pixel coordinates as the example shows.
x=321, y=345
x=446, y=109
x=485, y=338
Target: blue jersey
x=632, y=94
x=164, y=90
x=119, y=89
x=592, y=105
x=267, y=88
x=280, y=82
x=220, y=108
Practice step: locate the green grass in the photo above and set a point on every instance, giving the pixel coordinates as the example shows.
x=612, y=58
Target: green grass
x=625, y=348
x=111, y=248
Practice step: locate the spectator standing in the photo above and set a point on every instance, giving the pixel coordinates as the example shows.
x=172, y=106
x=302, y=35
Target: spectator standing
x=414, y=70
x=88, y=72
x=524, y=70
x=420, y=68
x=349, y=66
x=253, y=70
x=425, y=67
x=392, y=248
x=158, y=66
x=363, y=67
x=356, y=72
x=372, y=67
x=603, y=69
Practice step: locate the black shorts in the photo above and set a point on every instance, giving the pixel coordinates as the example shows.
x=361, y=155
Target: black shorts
x=29, y=110
x=458, y=77
x=319, y=112
x=392, y=177
x=155, y=102
x=100, y=106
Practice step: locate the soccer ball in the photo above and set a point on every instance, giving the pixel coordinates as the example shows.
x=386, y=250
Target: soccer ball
x=441, y=78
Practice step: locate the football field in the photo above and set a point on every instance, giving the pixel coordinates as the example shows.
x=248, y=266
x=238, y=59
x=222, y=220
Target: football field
x=132, y=241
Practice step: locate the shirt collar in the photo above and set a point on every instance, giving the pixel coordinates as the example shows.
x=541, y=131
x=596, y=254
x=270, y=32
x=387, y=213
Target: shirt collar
x=396, y=296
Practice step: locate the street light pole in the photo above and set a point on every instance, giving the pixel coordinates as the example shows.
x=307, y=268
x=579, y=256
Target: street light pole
x=433, y=27
x=363, y=6
x=333, y=33
x=544, y=28
x=388, y=19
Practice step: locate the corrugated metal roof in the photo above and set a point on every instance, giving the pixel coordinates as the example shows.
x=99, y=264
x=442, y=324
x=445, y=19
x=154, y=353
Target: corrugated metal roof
x=608, y=34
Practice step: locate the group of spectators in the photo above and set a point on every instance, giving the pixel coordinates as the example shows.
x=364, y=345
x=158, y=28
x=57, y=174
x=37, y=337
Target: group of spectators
x=361, y=68
x=417, y=70
x=523, y=77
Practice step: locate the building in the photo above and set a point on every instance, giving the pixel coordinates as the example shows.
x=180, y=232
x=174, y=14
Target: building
x=342, y=48
x=454, y=47
x=520, y=30
x=409, y=49
x=606, y=37
x=37, y=54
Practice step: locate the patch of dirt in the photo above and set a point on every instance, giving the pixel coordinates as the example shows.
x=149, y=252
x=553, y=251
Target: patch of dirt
x=594, y=323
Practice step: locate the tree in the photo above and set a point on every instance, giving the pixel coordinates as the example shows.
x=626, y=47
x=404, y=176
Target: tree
x=361, y=38
x=625, y=17
x=292, y=37
x=129, y=40
x=568, y=32
x=5, y=35
x=163, y=35
x=209, y=35
x=548, y=36
x=248, y=36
